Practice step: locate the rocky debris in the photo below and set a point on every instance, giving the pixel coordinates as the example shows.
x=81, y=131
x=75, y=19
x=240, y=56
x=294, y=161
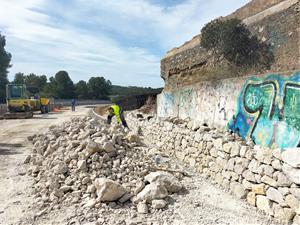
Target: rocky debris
x=95, y=166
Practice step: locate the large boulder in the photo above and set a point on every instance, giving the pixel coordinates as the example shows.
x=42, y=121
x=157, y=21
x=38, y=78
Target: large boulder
x=170, y=182
x=152, y=191
x=108, y=190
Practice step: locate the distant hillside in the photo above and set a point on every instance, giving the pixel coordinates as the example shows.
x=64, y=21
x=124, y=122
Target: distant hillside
x=121, y=91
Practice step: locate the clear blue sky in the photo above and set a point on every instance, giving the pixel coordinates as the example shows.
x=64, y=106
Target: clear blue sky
x=122, y=40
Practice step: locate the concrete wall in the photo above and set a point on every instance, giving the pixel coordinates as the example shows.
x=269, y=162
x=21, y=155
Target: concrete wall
x=216, y=102
x=213, y=103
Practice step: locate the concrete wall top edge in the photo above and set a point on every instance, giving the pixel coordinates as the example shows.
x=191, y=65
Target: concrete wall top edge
x=282, y=73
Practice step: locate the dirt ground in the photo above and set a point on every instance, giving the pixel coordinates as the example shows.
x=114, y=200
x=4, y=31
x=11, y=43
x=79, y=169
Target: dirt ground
x=203, y=202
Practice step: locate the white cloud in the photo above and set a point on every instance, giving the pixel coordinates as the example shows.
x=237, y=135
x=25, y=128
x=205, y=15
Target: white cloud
x=122, y=40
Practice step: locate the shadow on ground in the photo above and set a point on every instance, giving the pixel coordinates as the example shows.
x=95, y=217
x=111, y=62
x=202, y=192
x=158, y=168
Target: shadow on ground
x=9, y=149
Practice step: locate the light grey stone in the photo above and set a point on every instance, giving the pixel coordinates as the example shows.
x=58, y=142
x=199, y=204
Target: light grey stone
x=274, y=195
x=253, y=166
x=238, y=190
x=152, y=191
x=270, y=181
x=159, y=203
x=169, y=181
x=276, y=165
x=265, y=170
x=249, y=176
x=81, y=165
x=142, y=208
x=264, y=204
x=291, y=156
x=282, y=180
x=108, y=190
x=292, y=173
x=295, y=191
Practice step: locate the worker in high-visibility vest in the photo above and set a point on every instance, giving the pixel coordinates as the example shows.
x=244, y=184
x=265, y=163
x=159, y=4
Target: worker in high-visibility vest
x=115, y=110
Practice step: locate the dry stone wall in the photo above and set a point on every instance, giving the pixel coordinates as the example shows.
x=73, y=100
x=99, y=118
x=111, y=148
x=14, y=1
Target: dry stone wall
x=265, y=178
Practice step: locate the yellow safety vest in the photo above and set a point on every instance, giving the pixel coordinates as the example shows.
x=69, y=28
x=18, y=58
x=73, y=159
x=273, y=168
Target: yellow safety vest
x=116, y=110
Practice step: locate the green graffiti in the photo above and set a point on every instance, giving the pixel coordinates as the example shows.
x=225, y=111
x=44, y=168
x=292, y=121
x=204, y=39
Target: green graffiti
x=291, y=110
x=260, y=97
x=269, y=111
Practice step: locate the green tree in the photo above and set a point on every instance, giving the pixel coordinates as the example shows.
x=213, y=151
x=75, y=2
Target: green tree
x=64, y=85
x=81, y=90
x=60, y=86
x=232, y=40
x=35, y=80
x=50, y=88
x=5, y=58
x=98, y=88
x=19, y=78
x=31, y=79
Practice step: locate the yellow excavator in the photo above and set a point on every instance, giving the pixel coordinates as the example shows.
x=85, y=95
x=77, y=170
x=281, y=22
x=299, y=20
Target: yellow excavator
x=20, y=105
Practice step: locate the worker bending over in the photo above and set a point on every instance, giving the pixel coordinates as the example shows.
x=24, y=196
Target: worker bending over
x=115, y=110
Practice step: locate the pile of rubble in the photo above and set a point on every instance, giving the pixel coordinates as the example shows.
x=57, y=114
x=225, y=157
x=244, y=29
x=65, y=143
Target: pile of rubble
x=86, y=162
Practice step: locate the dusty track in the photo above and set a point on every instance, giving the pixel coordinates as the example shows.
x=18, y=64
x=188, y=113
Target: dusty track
x=15, y=198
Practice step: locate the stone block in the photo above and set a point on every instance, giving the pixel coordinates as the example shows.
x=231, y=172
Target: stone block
x=253, y=166
x=230, y=164
x=295, y=191
x=227, y=147
x=259, y=189
x=247, y=185
x=270, y=181
x=265, y=170
x=235, y=149
x=248, y=175
x=293, y=202
x=264, y=204
x=291, y=156
x=238, y=190
x=274, y=195
x=292, y=173
x=282, y=180
x=251, y=199
x=276, y=165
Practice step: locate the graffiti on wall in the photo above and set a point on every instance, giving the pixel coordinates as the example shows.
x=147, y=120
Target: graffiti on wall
x=166, y=102
x=268, y=111
x=186, y=103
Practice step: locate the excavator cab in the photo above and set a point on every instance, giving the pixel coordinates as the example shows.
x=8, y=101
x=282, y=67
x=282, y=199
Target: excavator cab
x=17, y=98
x=18, y=103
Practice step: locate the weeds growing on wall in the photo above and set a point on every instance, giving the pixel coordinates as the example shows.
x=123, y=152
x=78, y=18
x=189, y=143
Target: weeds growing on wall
x=231, y=39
